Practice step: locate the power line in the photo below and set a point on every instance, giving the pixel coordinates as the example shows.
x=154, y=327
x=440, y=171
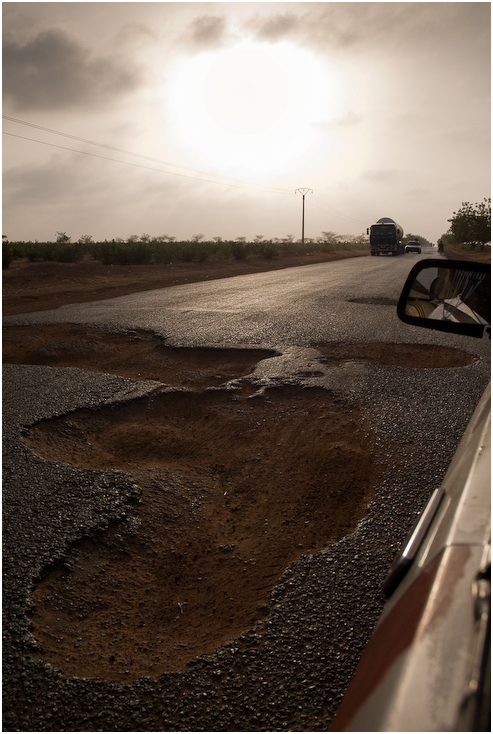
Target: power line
x=335, y=212
x=226, y=182
x=93, y=142
x=125, y=163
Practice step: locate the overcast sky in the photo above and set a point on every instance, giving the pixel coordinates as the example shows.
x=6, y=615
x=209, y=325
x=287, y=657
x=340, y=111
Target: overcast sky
x=204, y=118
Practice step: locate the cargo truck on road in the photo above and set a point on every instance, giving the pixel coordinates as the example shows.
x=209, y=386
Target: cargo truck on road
x=386, y=237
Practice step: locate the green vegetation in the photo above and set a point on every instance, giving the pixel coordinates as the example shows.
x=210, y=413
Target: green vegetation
x=470, y=225
x=7, y=254
x=165, y=249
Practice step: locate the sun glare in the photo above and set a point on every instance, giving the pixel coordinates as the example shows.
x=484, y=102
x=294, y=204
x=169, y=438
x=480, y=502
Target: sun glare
x=253, y=106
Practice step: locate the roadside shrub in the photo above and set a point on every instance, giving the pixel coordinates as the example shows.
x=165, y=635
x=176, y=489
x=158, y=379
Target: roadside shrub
x=203, y=252
x=69, y=252
x=194, y=251
x=19, y=249
x=164, y=252
x=141, y=253
x=295, y=248
x=47, y=251
x=38, y=251
x=7, y=254
x=109, y=252
x=327, y=246
x=125, y=253
x=266, y=249
x=240, y=250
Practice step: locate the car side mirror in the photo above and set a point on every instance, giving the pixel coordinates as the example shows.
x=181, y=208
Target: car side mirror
x=448, y=295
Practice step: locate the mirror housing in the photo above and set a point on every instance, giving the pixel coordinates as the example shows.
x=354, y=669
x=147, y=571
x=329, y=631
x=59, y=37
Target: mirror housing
x=448, y=295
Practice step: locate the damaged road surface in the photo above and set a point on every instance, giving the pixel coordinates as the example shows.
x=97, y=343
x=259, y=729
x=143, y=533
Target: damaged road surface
x=197, y=520
x=233, y=490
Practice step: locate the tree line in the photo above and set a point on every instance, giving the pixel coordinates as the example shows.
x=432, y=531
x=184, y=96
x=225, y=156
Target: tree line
x=469, y=226
x=145, y=249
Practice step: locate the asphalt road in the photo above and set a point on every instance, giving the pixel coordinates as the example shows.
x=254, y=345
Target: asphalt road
x=295, y=306
x=290, y=674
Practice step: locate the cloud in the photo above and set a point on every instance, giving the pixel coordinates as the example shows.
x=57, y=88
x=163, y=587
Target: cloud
x=320, y=23
x=276, y=26
x=206, y=31
x=376, y=28
x=53, y=71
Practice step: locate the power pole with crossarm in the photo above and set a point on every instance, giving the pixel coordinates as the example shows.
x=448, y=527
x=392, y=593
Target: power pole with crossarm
x=303, y=193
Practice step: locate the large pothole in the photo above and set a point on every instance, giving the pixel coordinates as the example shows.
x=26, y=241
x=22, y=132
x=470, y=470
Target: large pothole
x=143, y=355
x=233, y=490
x=139, y=354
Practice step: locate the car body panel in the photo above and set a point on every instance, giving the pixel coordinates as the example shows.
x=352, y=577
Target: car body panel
x=416, y=672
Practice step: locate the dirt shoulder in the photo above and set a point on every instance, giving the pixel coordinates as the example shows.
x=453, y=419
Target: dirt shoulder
x=43, y=286
x=476, y=255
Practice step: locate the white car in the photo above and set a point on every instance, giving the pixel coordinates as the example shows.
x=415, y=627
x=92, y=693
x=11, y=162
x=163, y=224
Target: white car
x=413, y=246
x=427, y=664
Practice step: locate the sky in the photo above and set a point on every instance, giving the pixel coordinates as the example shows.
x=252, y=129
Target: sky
x=182, y=119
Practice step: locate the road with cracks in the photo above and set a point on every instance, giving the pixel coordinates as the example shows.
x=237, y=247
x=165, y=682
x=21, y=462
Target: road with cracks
x=204, y=487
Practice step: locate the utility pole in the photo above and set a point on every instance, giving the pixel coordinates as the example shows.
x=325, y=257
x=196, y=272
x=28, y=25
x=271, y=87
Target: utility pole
x=303, y=193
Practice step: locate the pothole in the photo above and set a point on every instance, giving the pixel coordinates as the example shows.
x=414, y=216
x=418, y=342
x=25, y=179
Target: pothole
x=234, y=487
x=233, y=490
x=143, y=355
x=413, y=356
x=140, y=354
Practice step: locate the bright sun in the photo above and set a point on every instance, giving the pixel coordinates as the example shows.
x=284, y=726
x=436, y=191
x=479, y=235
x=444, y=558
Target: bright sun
x=253, y=106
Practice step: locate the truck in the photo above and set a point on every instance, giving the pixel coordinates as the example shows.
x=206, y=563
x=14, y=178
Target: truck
x=385, y=237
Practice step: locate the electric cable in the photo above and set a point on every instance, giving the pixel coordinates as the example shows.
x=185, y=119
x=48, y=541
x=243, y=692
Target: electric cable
x=334, y=211
x=200, y=177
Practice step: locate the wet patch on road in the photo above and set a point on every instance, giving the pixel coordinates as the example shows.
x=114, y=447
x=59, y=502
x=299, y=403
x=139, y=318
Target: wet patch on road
x=234, y=488
x=139, y=354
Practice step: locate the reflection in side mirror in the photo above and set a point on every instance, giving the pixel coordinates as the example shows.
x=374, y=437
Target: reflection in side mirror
x=449, y=295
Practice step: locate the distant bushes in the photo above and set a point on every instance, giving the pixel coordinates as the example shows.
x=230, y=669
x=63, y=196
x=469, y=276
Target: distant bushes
x=123, y=253
x=267, y=249
x=63, y=252
x=7, y=254
x=141, y=252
